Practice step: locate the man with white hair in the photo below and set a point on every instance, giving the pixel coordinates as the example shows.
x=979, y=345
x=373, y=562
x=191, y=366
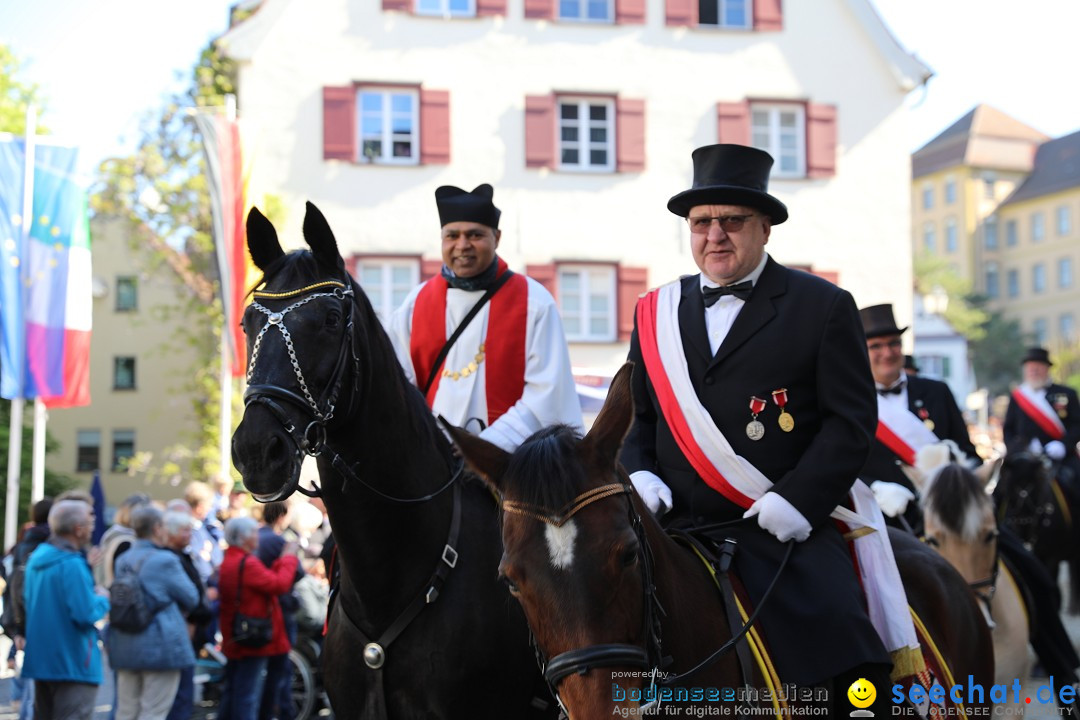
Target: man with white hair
x=62, y=654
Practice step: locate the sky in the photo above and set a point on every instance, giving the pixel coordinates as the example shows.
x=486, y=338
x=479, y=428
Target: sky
x=102, y=64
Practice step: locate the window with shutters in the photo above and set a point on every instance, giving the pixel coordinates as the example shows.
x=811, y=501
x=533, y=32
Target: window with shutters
x=446, y=8
x=389, y=126
x=123, y=449
x=587, y=302
x=602, y=11
x=88, y=453
x=586, y=134
x=780, y=130
x=736, y=14
x=387, y=281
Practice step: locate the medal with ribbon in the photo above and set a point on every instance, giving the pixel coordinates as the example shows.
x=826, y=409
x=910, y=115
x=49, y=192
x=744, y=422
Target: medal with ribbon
x=754, y=429
x=786, y=422
x=924, y=415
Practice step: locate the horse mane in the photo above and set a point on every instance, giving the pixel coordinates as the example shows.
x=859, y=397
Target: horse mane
x=370, y=341
x=957, y=499
x=544, y=470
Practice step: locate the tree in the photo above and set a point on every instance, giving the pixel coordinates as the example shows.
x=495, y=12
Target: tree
x=996, y=354
x=16, y=96
x=964, y=313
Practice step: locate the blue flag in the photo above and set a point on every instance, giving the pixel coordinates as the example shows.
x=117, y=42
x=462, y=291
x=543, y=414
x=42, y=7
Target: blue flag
x=12, y=310
x=98, y=493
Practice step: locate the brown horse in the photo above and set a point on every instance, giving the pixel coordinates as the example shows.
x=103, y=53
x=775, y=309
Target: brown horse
x=622, y=612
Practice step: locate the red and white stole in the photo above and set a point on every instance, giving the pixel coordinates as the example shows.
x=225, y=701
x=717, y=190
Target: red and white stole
x=734, y=477
x=900, y=431
x=504, y=343
x=1037, y=407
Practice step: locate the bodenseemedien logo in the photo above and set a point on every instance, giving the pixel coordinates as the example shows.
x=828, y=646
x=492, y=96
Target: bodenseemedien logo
x=862, y=694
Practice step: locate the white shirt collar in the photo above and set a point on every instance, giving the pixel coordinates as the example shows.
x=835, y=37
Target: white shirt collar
x=753, y=277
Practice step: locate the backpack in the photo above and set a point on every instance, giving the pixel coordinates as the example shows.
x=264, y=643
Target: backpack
x=130, y=609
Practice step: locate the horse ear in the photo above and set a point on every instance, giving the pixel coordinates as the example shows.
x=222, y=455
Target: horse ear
x=988, y=472
x=613, y=422
x=320, y=238
x=487, y=460
x=262, y=240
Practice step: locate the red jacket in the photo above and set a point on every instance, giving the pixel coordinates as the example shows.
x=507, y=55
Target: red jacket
x=260, y=598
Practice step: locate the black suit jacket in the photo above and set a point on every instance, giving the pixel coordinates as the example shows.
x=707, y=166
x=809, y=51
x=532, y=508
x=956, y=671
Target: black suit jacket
x=800, y=333
x=1019, y=429
x=934, y=400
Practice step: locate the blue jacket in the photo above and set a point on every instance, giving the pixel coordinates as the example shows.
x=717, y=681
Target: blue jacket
x=164, y=644
x=61, y=609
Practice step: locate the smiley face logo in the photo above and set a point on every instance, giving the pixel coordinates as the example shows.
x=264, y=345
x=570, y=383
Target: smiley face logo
x=862, y=693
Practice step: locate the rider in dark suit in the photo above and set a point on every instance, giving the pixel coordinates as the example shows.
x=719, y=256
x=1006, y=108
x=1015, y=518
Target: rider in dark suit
x=929, y=401
x=781, y=368
x=1020, y=429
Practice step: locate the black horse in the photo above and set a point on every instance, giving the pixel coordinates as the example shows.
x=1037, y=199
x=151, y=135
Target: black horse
x=420, y=627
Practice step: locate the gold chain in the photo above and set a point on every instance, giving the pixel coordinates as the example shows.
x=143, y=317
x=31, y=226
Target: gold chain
x=469, y=369
x=301, y=291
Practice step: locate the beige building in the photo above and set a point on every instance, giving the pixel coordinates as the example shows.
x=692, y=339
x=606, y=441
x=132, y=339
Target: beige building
x=137, y=370
x=1001, y=202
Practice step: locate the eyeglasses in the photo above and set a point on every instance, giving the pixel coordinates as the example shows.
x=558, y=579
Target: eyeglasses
x=892, y=345
x=728, y=223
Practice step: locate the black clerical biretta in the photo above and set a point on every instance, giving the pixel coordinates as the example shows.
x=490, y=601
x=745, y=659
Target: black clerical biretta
x=457, y=205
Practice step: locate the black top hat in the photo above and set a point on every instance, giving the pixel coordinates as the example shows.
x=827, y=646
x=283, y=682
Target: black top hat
x=878, y=320
x=1037, y=354
x=909, y=364
x=730, y=175
x=457, y=205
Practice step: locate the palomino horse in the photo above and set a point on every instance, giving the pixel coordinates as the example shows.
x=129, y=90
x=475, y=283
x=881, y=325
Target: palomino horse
x=611, y=598
x=1031, y=503
x=420, y=628
x=958, y=521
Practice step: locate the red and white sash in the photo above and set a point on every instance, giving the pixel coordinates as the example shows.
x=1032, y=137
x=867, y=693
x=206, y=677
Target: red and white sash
x=900, y=431
x=504, y=344
x=1037, y=407
x=734, y=477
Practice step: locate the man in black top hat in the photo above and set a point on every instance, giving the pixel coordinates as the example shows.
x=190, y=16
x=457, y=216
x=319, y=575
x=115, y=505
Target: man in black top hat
x=1045, y=417
x=774, y=370
x=913, y=411
x=502, y=372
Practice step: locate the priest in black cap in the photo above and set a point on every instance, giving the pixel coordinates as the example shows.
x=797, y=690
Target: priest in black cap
x=485, y=345
x=753, y=398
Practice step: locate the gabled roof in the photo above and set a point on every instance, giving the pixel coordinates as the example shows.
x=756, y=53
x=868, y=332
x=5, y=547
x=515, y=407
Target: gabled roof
x=1057, y=168
x=984, y=138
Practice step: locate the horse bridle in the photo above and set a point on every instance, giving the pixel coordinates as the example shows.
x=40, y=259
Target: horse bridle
x=580, y=661
x=985, y=596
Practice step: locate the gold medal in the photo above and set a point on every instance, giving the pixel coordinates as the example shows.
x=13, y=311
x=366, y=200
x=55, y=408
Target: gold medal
x=928, y=423
x=755, y=430
x=786, y=422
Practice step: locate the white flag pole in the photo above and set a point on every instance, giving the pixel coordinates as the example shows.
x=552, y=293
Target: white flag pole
x=37, y=474
x=225, y=441
x=11, y=514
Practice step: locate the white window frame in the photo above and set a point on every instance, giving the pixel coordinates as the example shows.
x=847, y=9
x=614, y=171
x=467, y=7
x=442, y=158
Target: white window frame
x=773, y=131
x=444, y=10
x=386, y=134
x=382, y=299
x=721, y=6
x=582, y=10
x=1063, y=221
x=584, y=315
x=583, y=145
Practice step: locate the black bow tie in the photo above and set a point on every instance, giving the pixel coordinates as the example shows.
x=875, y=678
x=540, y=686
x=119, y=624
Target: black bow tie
x=894, y=390
x=739, y=290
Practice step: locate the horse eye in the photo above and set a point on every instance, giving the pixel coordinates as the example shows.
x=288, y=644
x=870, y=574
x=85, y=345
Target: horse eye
x=333, y=318
x=629, y=557
x=931, y=541
x=510, y=585
x=991, y=536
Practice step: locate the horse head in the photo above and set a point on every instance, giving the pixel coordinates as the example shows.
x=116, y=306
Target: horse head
x=574, y=551
x=306, y=331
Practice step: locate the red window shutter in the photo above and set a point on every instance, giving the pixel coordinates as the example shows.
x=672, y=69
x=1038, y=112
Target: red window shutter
x=768, y=15
x=540, y=9
x=434, y=127
x=632, y=283
x=630, y=134
x=681, y=12
x=540, y=131
x=403, y=5
x=733, y=122
x=546, y=275
x=429, y=269
x=486, y=8
x=339, y=123
x=820, y=140
x=629, y=12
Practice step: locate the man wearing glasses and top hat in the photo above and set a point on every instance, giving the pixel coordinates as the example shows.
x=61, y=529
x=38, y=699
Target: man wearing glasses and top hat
x=754, y=399
x=913, y=412
x=484, y=344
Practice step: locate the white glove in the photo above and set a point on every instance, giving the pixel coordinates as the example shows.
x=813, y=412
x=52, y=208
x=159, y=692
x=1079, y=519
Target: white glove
x=654, y=493
x=1055, y=449
x=1035, y=447
x=892, y=498
x=779, y=517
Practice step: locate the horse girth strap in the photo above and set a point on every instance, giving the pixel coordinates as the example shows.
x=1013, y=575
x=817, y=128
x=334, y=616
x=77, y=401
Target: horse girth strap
x=561, y=517
x=375, y=652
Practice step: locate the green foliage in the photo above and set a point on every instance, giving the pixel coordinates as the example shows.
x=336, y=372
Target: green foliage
x=995, y=355
x=16, y=96
x=1066, y=369
x=934, y=274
